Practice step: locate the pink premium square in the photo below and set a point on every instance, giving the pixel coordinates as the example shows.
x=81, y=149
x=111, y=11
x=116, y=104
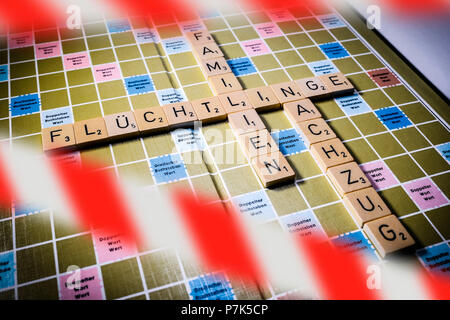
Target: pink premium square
x=81, y=285
x=19, y=40
x=76, y=61
x=268, y=29
x=255, y=47
x=281, y=15
x=106, y=72
x=379, y=174
x=112, y=247
x=425, y=193
x=48, y=50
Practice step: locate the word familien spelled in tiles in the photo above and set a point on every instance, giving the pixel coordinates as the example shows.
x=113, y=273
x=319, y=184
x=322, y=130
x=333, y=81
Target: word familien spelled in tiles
x=235, y=101
x=214, y=67
x=199, y=37
x=245, y=121
x=208, y=50
x=273, y=169
x=224, y=83
x=388, y=235
x=258, y=143
x=365, y=205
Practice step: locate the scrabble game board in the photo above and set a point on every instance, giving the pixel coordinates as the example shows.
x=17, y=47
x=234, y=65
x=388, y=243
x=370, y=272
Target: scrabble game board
x=393, y=125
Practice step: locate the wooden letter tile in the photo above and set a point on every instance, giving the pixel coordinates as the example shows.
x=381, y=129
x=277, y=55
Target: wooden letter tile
x=287, y=91
x=258, y=143
x=180, y=114
x=313, y=87
x=366, y=205
x=273, y=169
x=224, y=83
x=199, y=37
x=337, y=83
x=214, y=67
x=348, y=177
x=315, y=130
x=59, y=137
x=245, y=121
x=263, y=98
x=301, y=110
x=151, y=120
x=235, y=101
x=121, y=125
x=207, y=51
x=330, y=153
x=388, y=235
x=90, y=131
x=209, y=110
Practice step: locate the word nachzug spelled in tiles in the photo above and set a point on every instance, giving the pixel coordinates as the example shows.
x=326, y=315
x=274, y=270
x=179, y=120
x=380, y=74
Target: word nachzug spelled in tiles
x=362, y=201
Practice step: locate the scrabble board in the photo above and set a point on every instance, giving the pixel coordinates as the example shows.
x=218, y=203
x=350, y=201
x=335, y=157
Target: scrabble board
x=393, y=124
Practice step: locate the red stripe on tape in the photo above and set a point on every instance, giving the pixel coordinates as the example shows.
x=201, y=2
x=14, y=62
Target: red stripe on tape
x=340, y=275
x=219, y=237
x=96, y=198
x=7, y=189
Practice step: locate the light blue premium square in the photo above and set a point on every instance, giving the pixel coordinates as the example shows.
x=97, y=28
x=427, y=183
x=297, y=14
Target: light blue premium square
x=304, y=223
x=353, y=104
x=168, y=168
x=4, y=72
x=444, y=150
x=26, y=104
x=289, y=141
x=146, y=35
x=139, y=84
x=255, y=205
x=26, y=208
x=393, y=118
x=188, y=139
x=356, y=242
x=170, y=95
x=176, y=45
x=120, y=25
x=322, y=67
x=56, y=117
x=436, y=259
x=334, y=50
x=7, y=268
x=211, y=287
x=241, y=66
x=331, y=21
x=209, y=14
